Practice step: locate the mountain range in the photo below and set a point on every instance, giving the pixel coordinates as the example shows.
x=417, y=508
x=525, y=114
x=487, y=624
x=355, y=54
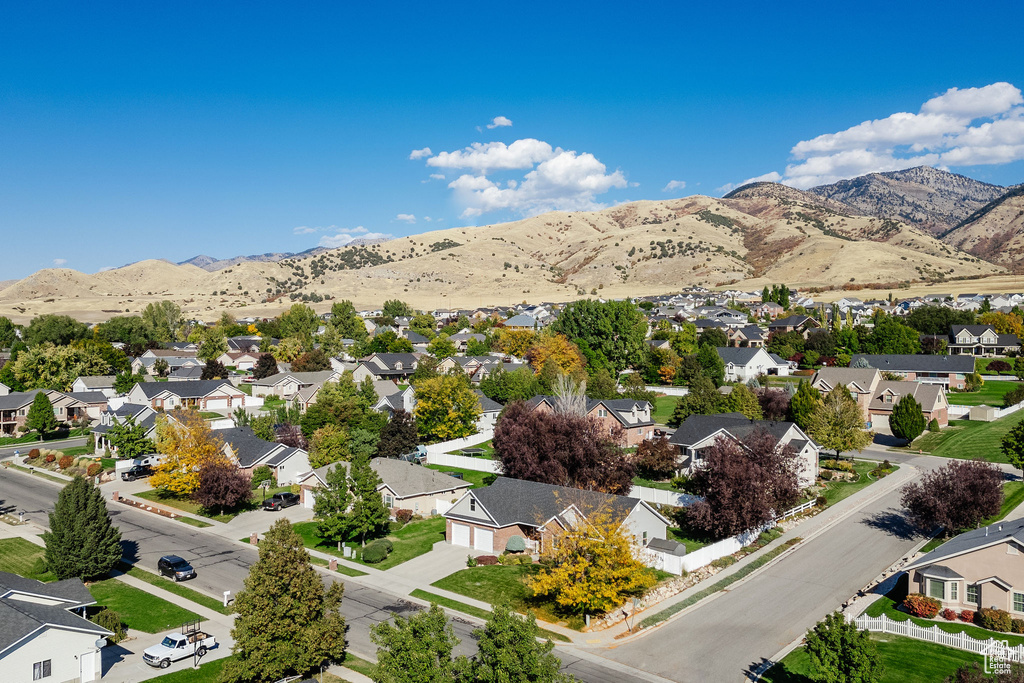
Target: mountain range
x=915, y=227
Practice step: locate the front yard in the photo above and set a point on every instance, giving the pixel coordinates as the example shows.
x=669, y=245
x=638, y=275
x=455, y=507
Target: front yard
x=887, y=606
x=23, y=558
x=412, y=540
x=837, y=490
x=969, y=439
x=161, y=497
x=139, y=610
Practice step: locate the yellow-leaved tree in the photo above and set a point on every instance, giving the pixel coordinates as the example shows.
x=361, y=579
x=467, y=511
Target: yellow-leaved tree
x=558, y=348
x=515, y=342
x=593, y=568
x=186, y=443
x=446, y=408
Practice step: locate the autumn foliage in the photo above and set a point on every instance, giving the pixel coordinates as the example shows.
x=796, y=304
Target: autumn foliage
x=187, y=444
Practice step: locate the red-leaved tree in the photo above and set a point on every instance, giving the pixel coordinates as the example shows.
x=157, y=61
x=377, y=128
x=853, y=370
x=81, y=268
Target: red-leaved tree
x=743, y=483
x=656, y=459
x=955, y=497
x=774, y=403
x=222, y=486
x=561, y=449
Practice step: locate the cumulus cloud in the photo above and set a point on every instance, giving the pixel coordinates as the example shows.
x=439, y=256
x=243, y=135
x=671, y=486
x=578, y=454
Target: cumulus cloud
x=960, y=127
x=437, y=176
x=59, y=262
x=495, y=156
x=303, y=230
x=420, y=153
x=407, y=217
x=674, y=185
x=347, y=236
x=499, y=121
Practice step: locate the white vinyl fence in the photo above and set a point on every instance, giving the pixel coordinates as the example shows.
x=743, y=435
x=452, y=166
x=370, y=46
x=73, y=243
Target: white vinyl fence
x=1003, y=412
x=463, y=462
x=456, y=444
x=662, y=497
x=957, y=411
x=669, y=391
x=710, y=553
x=933, y=634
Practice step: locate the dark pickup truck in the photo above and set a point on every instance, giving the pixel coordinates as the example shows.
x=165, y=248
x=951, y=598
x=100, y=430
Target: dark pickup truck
x=279, y=501
x=136, y=472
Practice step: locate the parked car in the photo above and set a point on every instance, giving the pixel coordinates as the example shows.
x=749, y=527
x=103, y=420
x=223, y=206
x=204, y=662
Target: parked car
x=136, y=472
x=178, y=646
x=279, y=501
x=175, y=567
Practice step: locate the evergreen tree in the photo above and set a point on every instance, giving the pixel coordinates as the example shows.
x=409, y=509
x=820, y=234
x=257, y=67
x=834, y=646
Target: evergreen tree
x=40, y=415
x=81, y=541
x=805, y=400
x=331, y=504
x=287, y=623
x=712, y=364
x=369, y=517
x=907, y=420
x=842, y=654
x=509, y=651
x=417, y=650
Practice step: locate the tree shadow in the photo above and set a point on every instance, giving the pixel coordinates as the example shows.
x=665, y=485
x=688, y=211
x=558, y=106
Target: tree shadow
x=779, y=673
x=129, y=551
x=5, y=508
x=889, y=440
x=893, y=523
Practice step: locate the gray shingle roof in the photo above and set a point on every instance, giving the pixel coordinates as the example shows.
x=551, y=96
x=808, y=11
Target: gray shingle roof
x=250, y=449
x=88, y=396
x=737, y=355
x=696, y=428
x=409, y=479
x=197, y=389
x=20, y=618
x=520, y=320
x=961, y=364
x=97, y=381
x=318, y=377
x=973, y=540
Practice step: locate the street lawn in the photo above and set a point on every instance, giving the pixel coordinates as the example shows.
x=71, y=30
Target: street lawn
x=162, y=497
x=1013, y=495
x=887, y=606
x=970, y=440
x=412, y=540
x=476, y=479
x=206, y=673
x=78, y=451
x=179, y=589
x=24, y=558
x=835, y=491
x=476, y=611
x=138, y=609
x=663, y=408
x=40, y=473
x=357, y=664
x=904, y=660
x=991, y=393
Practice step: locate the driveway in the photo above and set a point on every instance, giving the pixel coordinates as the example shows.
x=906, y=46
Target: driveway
x=442, y=560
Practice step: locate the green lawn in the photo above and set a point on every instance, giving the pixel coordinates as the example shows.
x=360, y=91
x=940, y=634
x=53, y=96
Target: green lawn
x=33, y=437
x=990, y=394
x=245, y=388
x=887, y=606
x=207, y=415
x=690, y=543
x=138, y=609
x=185, y=505
x=24, y=558
x=904, y=660
x=835, y=491
x=476, y=479
x=981, y=366
x=342, y=568
x=273, y=403
x=77, y=451
x=486, y=446
x=664, y=485
x=178, y=589
x=206, y=673
x=663, y=408
x=412, y=540
x=475, y=611
x=971, y=440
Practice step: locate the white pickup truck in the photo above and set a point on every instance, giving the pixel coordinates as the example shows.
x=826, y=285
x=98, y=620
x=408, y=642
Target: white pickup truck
x=178, y=646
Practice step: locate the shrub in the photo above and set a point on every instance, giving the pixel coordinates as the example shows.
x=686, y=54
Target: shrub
x=821, y=501
x=374, y=553
x=1017, y=625
x=403, y=516
x=507, y=559
x=967, y=615
x=34, y=453
x=261, y=474
x=388, y=545
x=841, y=465
x=886, y=465
x=470, y=561
x=949, y=615
x=993, y=619
x=486, y=560
x=826, y=475
x=933, y=426
x=515, y=544
x=65, y=462
x=1014, y=397
x=680, y=483
x=94, y=469
x=111, y=620
x=723, y=562
x=921, y=605
x=50, y=457
x=525, y=559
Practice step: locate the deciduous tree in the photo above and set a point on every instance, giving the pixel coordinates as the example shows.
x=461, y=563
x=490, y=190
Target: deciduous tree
x=222, y=486
x=265, y=366
x=312, y=361
x=743, y=400
x=774, y=403
x=446, y=408
x=329, y=443
x=331, y=505
x=398, y=437
x=505, y=387
x=712, y=336
x=301, y=322
x=369, y=516
x=128, y=440
x=442, y=347
x=396, y=308
x=712, y=364
x=616, y=329
x=59, y=330
x=163, y=319
x=47, y=366
x=837, y=422
x=557, y=348
x=955, y=497
x=702, y=399
x=187, y=443
x=81, y=541
x=8, y=333
x=417, y=649
x=214, y=369
x=842, y=654
x=515, y=342
x=657, y=458
x=508, y=650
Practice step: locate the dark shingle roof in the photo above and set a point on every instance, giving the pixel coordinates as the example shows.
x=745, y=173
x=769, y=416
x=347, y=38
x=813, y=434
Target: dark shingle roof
x=962, y=364
x=196, y=389
x=696, y=428
x=737, y=355
x=486, y=404
x=20, y=618
x=247, y=447
x=88, y=396
x=530, y=503
x=973, y=540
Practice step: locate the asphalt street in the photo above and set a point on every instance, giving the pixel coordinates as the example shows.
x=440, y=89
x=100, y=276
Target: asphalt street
x=223, y=565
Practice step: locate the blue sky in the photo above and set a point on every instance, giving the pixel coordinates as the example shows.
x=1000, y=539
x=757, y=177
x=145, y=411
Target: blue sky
x=149, y=130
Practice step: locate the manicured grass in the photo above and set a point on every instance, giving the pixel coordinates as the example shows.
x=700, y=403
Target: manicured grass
x=77, y=451
x=1013, y=495
x=108, y=463
x=41, y=473
x=178, y=589
x=138, y=609
x=971, y=440
x=342, y=568
x=206, y=673
x=885, y=605
x=207, y=415
x=991, y=393
x=24, y=558
x=33, y=437
x=690, y=543
x=412, y=540
x=663, y=408
x=273, y=403
x=835, y=491
x=194, y=522
x=245, y=388
x=358, y=665
x=476, y=479
x=981, y=366
x=161, y=497
x=488, y=450
x=663, y=485
x=475, y=611
x=904, y=660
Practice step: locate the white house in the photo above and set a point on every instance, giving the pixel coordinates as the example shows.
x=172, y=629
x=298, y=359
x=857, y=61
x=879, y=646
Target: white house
x=744, y=364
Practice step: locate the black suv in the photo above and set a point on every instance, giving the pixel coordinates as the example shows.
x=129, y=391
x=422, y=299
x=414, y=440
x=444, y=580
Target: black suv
x=175, y=567
x=279, y=501
x=136, y=472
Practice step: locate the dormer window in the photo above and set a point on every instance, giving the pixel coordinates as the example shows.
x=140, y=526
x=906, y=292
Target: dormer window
x=398, y=365
x=472, y=504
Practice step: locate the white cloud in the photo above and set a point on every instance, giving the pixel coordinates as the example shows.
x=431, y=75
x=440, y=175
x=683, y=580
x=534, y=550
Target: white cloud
x=106, y=268
x=343, y=238
x=420, y=153
x=437, y=176
x=59, y=262
x=674, y=185
x=960, y=127
x=499, y=121
x=303, y=230
x=493, y=156
x=407, y=217
x=428, y=219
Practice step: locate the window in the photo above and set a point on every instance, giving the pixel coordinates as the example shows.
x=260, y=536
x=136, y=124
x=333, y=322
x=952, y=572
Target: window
x=973, y=594
x=472, y=504
x=645, y=538
x=601, y=412
x=41, y=670
x=1018, y=602
x=936, y=589
x=389, y=500
x=954, y=590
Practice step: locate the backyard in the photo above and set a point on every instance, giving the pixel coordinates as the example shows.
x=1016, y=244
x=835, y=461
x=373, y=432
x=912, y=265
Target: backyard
x=411, y=540
x=969, y=439
x=990, y=394
x=663, y=408
x=476, y=479
x=481, y=450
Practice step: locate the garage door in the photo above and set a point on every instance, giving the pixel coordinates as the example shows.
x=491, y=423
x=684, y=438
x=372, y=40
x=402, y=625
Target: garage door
x=460, y=535
x=484, y=540
x=215, y=403
x=309, y=498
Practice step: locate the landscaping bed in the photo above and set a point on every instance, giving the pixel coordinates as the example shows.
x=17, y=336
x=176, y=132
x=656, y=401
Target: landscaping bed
x=889, y=606
x=186, y=505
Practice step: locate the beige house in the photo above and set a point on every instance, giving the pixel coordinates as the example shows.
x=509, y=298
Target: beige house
x=877, y=397
x=286, y=385
x=979, y=568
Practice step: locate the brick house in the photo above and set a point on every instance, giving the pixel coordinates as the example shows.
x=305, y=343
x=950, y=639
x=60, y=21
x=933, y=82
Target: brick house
x=14, y=407
x=949, y=371
x=632, y=417
x=486, y=518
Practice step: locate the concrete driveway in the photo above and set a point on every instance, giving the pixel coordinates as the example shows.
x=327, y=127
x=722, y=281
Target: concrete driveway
x=442, y=560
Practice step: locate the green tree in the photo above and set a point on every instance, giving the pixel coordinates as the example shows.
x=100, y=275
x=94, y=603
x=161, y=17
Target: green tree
x=59, y=330
x=713, y=336
x=124, y=381
x=417, y=650
x=442, y=347
x=300, y=321
x=163, y=319
x=265, y=366
x=331, y=504
x=8, y=333
x=505, y=387
x=509, y=651
x=1012, y=446
x=907, y=420
x=446, y=408
x=57, y=367
x=703, y=399
x=346, y=322
x=81, y=541
x=475, y=347
x=128, y=439
x=616, y=329
x=837, y=423
x=40, y=415
x=805, y=400
x=842, y=654
x=161, y=367
x=287, y=623
x=743, y=400
x=601, y=385
x=130, y=330
x=213, y=345
x=369, y=516
x=712, y=364
x=1018, y=367
x=892, y=336
x=330, y=443
x=395, y=308
x=398, y=437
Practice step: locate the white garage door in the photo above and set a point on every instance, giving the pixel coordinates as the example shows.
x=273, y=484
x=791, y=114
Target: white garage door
x=215, y=403
x=484, y=540
x=310, y=498
x=460, y=535
x=880, y=423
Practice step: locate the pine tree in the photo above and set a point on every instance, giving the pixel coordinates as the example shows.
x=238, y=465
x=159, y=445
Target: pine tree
x=287, y=623
x=331, y=504
x=907, y=420
x=805, y=400
x=40, y=415
x=417, y=650
x=81, y=541
x=509, y=651
x=369, y=516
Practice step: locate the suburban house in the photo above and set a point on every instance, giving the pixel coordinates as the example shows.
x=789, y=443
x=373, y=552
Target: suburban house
x=461, y=339
x=698, y=432
x=240, y=360
x=189, y=373
x=101, y=383
x=169, y=353
x=92, y=402
x=949, y=371
x=286, y=385
x=404, y=486
x=792, y=323
x=249, y=451
x=979, y=568
x=745, y=364
x=486, y=518
x=521, y=323
x=750, y=336
x=66, y=407
x=632, y=417
x=767, y=309
x=208, y=394
x=144, y=364
x=980, y=340
x=43, y=637
x=391, y=402
x=393, y=366
x=141, y=414
x=877, y=397
x=477, y=368
x=248, y=343
x=489, y=412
